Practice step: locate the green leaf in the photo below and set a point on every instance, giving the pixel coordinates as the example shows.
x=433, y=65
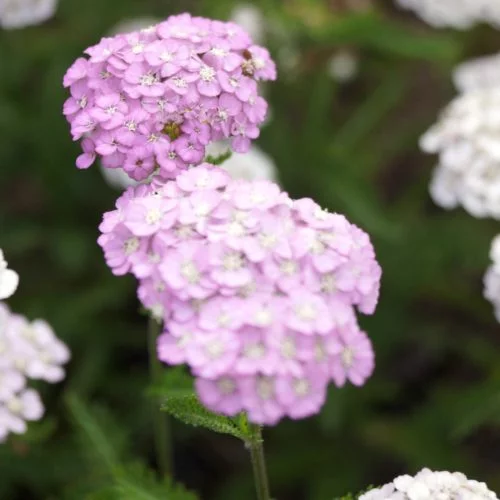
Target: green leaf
x=174, y=381
x=188, y=409
x=136, y=482
x=130, y=482
x=368, y=115
x=379, y=33
x=96, y=439
x=220, y=159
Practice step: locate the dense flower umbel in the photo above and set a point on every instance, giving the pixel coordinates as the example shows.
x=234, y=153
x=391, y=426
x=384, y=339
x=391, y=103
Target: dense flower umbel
x=467, y=138
x=27, y=350
x=430, y=485
x=256, y=291
x=155, y=98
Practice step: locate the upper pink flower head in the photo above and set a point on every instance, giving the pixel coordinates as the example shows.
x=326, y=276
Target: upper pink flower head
x=257, y=292
x=155, y=98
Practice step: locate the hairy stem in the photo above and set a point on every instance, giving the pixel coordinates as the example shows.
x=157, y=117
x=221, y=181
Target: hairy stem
x=256, y=445
x=160, y=420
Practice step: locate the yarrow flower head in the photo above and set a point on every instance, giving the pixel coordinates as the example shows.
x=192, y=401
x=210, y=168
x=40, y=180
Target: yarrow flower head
x=461, y=14
x=466, y=138
x=9, y=279
x=151, y=101
x=427, y=485
x=257, y=292
x=27, y=351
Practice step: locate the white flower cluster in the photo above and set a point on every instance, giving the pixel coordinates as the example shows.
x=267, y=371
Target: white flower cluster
x=21, y=13
x=492, y=277
x=467, y=138
x=9, y=279
x=461, y=14
x=480, y=73
x=27, y=351
x=430, y=485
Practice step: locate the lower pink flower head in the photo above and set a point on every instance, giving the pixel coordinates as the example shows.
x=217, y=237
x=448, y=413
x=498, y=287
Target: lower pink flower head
x=151, y=101
x=258, y=293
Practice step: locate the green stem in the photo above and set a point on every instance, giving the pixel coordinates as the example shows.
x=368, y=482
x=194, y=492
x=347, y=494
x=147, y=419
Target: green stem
x=256, y=445
x=160, y=420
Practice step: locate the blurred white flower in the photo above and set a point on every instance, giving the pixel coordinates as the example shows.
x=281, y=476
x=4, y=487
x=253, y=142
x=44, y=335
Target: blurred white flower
x=343, y=66
x=289, y=60
x=117, y=178
x=21, y=13
x=22, y=407
x=27, y=351
x=492, y=278
x=480, y=73
x=253, y=165
x=135, y=24
x=461, y=14
x=250, y=18
x=430, y=485
x=9, y=279
x=467, y=139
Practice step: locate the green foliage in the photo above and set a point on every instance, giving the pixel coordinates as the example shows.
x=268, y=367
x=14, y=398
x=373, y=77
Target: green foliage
x=189, y=410
x=174, y=382
x=138, y=483
x=127, y=481
x=99, y=434
x=220, y=159
x=351, y=496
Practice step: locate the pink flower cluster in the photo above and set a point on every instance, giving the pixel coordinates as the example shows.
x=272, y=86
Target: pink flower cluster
x=154, y=99
x=27, y=350
x=256, y=291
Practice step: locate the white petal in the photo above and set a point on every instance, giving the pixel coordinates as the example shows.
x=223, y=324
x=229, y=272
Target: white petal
x=9, y=280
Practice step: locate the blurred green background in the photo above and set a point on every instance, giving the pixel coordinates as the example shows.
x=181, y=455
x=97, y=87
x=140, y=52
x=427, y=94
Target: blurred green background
x=435, y=397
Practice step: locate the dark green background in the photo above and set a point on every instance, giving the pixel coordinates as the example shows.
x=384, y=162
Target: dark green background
x=435, y=397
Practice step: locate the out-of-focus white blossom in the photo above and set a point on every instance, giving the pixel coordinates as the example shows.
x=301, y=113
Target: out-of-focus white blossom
x=492, y=277
x=480, y=73
x=289, y=60
x=343, y=66
x=21, y=13
x=135, y=24
x=9, y=279
x=117, y=178
x=461, y=14
x=430, y=485
x=27, y=351
x=467, y=139
x=252, y=166
x=17, y=410
x=250, y=18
